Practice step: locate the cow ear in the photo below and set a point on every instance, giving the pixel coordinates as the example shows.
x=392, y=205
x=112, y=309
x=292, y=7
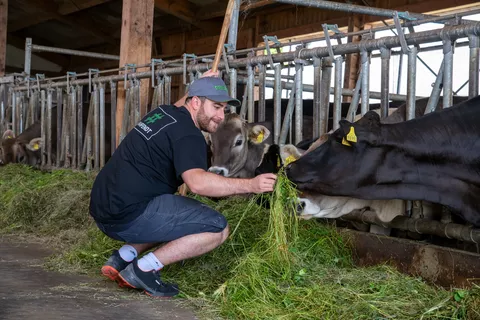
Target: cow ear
x=8, y=134
x=258, y=134
x=290, y=153
x=35, y=144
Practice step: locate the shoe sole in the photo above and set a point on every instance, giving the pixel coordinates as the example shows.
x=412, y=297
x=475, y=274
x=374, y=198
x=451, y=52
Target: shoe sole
x=110, y=272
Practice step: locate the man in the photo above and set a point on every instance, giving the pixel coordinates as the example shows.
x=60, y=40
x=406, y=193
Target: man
x=133, y=201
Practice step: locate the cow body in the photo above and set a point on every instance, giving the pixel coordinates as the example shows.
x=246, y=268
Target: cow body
x=22, y=149
x=433, y=158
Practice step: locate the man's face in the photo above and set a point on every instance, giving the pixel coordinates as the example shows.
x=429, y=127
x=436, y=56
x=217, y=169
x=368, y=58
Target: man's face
x=210, y=115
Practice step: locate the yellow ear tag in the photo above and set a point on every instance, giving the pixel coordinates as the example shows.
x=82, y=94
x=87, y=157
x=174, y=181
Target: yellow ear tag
x=9, y=137
x=351, y=135
x=35, y=146
x=346, y=143
x=289, y=159
x=260, y=137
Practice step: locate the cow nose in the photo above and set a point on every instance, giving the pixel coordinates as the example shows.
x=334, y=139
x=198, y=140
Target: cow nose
x=219, y=171
x=300, y=207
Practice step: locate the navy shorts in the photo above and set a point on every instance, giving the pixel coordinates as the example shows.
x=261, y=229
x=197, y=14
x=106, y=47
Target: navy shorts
x=166, y=218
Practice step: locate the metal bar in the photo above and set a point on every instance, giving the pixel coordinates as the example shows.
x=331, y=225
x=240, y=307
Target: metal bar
x=317, y=93
x=65, y=134
x=298, y=101
x=102, y=125
x=250, y=115
x=365, y=65
x=352, y=110
x=96, y=124
x=261, y=93
x=425, y=49
x=48, y=144
x=453, y=32
x=474, y=66
x=447, y=74
x=28, y=56
x=233, y=86
x=113, y=113
x=233, y=29
x=59, y=125
x=42, y=127
x=411, y=77
x=424, y=226
x=385, y=84
x=277, y=103
x=79, y=109
x=325, y=93
x=400, y=68
x=437, y=88
x=337, y=93
x=168, y=89
x=14, y=113
x=345, y=92
x=287, y=117
x=346, y=7
x=39, y=48
x=73, y=126
x=243, y=108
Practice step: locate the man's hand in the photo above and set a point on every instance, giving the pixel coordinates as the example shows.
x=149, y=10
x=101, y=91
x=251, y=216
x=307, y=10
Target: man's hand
x=263, y=183
x=210, y=73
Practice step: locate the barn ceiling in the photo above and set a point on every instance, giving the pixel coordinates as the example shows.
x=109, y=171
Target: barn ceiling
x=95, y=25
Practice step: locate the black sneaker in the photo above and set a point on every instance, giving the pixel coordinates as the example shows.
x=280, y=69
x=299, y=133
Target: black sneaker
x=149, y=281
x=114, y=265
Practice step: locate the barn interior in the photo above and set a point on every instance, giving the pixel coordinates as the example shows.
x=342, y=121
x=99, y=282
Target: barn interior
x=123, y=57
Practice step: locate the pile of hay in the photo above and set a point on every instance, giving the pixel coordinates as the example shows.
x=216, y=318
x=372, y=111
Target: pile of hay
x=272, y=266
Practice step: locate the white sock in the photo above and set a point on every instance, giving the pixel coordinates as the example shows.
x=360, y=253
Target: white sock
x=127, y=252
x=149, y=262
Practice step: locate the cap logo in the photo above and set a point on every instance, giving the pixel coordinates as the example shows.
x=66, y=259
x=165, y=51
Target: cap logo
x=224, y=88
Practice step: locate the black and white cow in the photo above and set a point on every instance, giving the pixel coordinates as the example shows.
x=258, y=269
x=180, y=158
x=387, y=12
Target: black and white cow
x=434, y=158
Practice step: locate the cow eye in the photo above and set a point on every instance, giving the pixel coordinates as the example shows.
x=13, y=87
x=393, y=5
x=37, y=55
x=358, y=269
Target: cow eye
x=238, y=143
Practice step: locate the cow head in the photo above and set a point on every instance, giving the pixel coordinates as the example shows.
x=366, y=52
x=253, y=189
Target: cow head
x=15, y=150
x=237, y=147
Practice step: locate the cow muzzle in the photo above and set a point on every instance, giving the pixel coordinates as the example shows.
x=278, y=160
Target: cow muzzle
x=219, y=170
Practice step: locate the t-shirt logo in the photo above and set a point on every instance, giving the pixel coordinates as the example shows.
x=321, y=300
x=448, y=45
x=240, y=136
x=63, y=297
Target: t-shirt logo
x=154, y=122
x=155, y=117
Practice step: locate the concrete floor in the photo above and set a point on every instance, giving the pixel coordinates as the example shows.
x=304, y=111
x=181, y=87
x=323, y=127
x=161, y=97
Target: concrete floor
x=28, y=291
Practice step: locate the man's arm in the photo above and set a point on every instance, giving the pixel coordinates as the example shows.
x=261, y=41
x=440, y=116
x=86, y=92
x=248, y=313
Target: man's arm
x=209, y=184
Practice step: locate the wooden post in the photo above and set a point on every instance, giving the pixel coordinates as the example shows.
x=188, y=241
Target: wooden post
x=3, y=35
x=135, y=48
x=355, y=23
x=223, y=34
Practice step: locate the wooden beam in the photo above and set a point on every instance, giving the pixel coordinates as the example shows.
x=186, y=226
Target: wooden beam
x=135, y=47
x=63, y=9
x=185, y=11
x=3, y=35
x=352, y=60
x=216, y=10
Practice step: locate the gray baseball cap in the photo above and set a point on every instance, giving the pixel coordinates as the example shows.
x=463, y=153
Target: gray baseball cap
x=214, y=89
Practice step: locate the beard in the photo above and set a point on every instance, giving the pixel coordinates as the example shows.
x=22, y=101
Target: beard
x=205, y=123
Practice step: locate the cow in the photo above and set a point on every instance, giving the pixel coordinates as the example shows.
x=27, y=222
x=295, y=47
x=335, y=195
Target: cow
x=432, y=158
x=22, y=149
x=27, y=148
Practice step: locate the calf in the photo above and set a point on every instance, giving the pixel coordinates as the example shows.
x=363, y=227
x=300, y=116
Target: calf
x=432, y=158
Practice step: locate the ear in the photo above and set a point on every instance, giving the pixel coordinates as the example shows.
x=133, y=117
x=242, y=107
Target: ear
x=35, y=144
x=290, y=153
x=258, y=134
x=8, y=134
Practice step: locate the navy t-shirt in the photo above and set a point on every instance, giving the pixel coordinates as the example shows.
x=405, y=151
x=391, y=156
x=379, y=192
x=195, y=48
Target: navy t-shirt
x=148, y=162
